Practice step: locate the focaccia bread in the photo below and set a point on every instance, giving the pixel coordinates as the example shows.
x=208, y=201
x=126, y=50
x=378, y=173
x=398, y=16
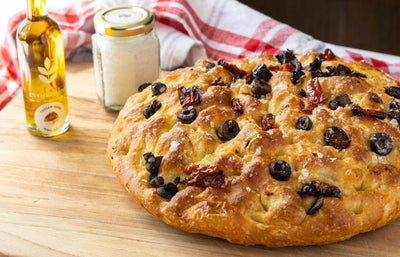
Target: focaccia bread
x=273, y=150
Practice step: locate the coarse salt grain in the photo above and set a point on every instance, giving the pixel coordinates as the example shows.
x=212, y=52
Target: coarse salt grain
x=174, y=146
x=394, y=122
x=303, y=175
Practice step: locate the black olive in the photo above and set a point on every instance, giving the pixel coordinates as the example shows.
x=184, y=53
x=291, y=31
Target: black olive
x=260, y=87
x=341, y=70
x=152, y=176
x=151, y=109
x=187, y=115
x=316, y=188
x=304, y=123
x=262, y=72
x=341, y=100
x=393, y=91
x=316, y=206
x=302, y=93
x=152, y=162
x=158, y=88
x=147, y=155
x=381, y=143
x=285, y=56
x=315, y=64
x=157, y=181
x=394, y=105
x=210, y=65
x=228, y=130
x=280, y=170
x=167, y=191
x=143, y=86
x=337, y=138
x=296, y=73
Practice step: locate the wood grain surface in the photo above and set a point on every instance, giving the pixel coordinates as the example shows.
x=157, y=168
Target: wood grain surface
x=59, y=196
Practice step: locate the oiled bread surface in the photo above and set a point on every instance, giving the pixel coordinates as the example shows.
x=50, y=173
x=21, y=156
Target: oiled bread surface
x=252, y=207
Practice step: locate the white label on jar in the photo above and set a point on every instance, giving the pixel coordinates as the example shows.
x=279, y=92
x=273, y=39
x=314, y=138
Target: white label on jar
x=122, y=16
x=50, y=117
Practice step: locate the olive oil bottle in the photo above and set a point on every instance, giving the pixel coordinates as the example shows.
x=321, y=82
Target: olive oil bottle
x=42, y=66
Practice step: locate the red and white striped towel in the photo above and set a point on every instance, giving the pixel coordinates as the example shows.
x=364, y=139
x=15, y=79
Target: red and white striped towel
x=188, y=30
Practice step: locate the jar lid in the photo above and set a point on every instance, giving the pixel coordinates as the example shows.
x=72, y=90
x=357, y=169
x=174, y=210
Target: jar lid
x=123, y=21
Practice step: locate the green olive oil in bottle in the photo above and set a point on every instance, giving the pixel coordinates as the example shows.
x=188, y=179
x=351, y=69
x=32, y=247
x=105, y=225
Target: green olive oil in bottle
x=42, y=68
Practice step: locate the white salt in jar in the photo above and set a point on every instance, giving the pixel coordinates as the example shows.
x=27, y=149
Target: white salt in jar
x=126, y=53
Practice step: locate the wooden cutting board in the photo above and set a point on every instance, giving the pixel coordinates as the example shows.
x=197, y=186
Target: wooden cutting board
x=59, y=196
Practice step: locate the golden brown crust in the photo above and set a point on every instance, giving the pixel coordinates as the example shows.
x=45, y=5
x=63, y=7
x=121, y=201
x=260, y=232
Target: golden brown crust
x=253, y=207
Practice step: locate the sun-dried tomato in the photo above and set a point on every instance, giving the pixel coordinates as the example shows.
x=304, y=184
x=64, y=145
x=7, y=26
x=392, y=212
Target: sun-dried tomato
x=316, y=95
x=287, y=67
x=232, y=68
x=327, y=55
x=283, y=67
x=308, y=105
x=314, y=90
x=237, y=107
x=268, y=122
x=204, y=176
x=189, y=96
x=358, y=111
x=317, y=188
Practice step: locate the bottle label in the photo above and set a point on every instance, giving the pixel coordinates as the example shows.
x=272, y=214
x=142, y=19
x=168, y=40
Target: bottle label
x=50, y=117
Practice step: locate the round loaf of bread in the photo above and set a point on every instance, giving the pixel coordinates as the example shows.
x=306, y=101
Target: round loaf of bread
x=273, y=150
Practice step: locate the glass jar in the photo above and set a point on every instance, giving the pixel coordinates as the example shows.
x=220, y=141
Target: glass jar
x=126, y=53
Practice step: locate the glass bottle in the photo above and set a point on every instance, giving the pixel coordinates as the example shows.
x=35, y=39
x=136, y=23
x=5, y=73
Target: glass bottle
x=42, y=67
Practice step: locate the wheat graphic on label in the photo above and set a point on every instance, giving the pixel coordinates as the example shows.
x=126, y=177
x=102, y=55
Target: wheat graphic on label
x=47, y=73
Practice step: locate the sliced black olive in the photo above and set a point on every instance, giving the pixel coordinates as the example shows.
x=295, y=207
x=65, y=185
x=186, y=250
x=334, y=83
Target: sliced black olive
x=393, y=91
x=315, y=64
x=296, y=73
x=316, y=206
x=304, y=123
x=152, y=176
x=209, y=65
x=143, y=86
x=157, y=181
x=152, y=162
x=394, y=105
x=262, y=72
x=316, y=188
x=302, y=93
x=285, y=56
x=381, y=143
x=158, y=88
x=337, y=138
x=280, y=170
x=167, y=191
x=260, y=87
x=187, y=115
x=228, y=130
x=341, y=100
x=151, y=109
x=341, y=70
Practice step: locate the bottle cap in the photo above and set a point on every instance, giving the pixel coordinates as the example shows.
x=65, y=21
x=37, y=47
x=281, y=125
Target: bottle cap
x=123, y=21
